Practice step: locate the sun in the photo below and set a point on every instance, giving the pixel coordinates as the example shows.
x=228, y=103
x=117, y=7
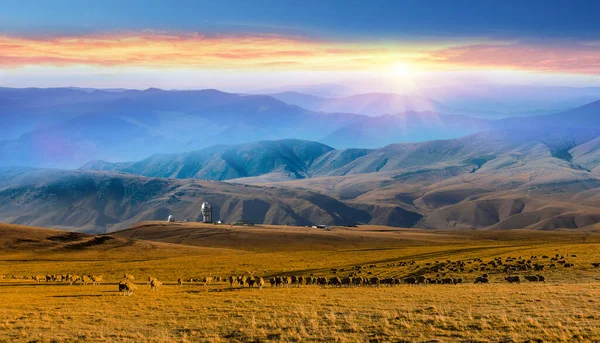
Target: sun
x=402, y=69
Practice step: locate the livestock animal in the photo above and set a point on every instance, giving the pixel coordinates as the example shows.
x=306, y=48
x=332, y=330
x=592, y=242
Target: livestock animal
x=154, y=285
x=481, y=279
x=322, y=281
x=74, y=278
x=374, y=281
x=335, y=281
x=129, y=277
x=127, y=287
x=86, y=279
x=96, y=279
x=260, y=282
x=207, y=280
x=130, y=287
x=513, y=279
x=411, y=280
x=250, y=281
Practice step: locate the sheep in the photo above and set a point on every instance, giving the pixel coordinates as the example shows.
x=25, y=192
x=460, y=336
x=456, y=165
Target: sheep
x=531, y=278
x=129, y=277
x=322, y=281
x=250, y=281
x=357, y=281
x=346, y=281
x=411, y=280
x=335, y=281
x=129, y=288
x=481, y=279
x=260, y=282
x=96, y=279
x=180, y=282
x=513, y=279
x=154, y=285
x=150, y=279
x=374, y=281
x=295, y=281
x=448, y=281
x=85, y=279
x=287, y=281
x=74, y=278
x=207, y=280
x=122, y=285
x=241, y=281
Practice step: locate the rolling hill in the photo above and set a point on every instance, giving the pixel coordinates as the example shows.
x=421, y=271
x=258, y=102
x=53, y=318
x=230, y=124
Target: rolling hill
x=290, y=158
x=492, y=180
x=102, y=201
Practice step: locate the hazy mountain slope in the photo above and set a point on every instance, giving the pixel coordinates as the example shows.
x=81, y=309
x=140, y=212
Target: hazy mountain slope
x=101, y=201
x=370, y=104
x=58, y=127
x=292, y=158
x=511, y=100
x=68, y=127
x=380, y=131
x=326, y=90
x=583, y=117
x=133, y=124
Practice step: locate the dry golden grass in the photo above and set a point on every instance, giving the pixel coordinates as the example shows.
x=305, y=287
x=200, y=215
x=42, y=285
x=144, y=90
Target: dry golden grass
x=566, y=308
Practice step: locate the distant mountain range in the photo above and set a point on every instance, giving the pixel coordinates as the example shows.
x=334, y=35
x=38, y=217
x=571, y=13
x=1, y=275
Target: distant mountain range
x=67, y=127
x=480, y=101
x=511, y=100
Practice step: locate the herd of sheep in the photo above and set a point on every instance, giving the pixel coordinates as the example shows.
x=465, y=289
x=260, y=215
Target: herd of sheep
x=359, y=275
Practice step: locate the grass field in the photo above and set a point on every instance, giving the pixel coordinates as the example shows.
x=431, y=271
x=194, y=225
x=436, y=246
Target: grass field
x=564, y=308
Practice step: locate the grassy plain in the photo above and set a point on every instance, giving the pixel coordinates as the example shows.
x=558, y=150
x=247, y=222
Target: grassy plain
x=566, y=308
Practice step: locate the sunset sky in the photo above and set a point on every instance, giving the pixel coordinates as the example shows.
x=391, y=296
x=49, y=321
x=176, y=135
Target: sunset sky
x=239, y=46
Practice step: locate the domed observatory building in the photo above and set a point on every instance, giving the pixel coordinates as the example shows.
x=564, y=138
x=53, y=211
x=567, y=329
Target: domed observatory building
x=206, y=212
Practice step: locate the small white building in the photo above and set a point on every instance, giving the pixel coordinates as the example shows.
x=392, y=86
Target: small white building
x=171, y=219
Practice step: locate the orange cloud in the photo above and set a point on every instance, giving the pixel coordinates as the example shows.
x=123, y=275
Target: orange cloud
x=184, y=51
x=273, y=52
x=577, y=58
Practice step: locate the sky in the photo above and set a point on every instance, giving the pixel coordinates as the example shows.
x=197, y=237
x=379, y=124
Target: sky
x=376, y=45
